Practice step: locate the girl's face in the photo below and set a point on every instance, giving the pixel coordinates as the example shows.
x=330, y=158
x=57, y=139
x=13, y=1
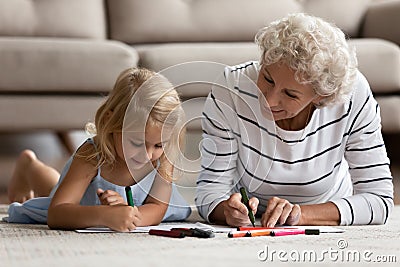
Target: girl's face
x=138, y=152
x=285, y=96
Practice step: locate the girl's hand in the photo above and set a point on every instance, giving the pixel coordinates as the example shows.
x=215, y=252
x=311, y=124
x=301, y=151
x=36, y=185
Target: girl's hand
x=110, y=198
x=122, y=218
x=236, y=213
x=280, y=211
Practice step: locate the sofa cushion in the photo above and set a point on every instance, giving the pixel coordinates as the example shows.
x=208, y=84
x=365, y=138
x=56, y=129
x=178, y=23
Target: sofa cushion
x=382, y=20
x=381, y=68
x=390, y=110
x=61, y=65
x=379, y=61
x=346, y=14
x=58, y=18
x=138, y=21
x=41, y=112
x=158, y=57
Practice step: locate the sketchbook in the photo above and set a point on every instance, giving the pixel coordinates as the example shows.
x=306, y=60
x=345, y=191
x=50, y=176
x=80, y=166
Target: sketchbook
x=163, y=226
x=203, y=226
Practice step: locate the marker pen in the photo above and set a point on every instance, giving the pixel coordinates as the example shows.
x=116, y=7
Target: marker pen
x=295, y=232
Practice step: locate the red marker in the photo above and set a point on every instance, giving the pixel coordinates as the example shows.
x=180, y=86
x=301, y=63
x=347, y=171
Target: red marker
x=175, y=234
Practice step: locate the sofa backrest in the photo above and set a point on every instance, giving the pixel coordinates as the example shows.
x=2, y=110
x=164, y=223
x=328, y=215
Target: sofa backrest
x=53, y=18
x=153, y=21
x=348, y=15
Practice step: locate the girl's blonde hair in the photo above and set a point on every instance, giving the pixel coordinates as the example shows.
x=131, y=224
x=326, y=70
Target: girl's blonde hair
x=157, y=103
x=316, y=50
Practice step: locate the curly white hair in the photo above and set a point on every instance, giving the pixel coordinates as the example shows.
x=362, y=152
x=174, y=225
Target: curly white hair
x=316, y=50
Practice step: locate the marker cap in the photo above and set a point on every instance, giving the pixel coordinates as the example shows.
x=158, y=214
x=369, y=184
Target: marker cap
x=311, y=231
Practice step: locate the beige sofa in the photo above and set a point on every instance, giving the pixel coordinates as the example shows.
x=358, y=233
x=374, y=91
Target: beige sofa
x=59, y=57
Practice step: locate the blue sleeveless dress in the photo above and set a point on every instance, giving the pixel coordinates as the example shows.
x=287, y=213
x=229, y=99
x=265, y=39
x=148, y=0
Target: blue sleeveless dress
x=35, y=210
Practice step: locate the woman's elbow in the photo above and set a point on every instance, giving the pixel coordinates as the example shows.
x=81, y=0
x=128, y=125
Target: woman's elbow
x=387, y=208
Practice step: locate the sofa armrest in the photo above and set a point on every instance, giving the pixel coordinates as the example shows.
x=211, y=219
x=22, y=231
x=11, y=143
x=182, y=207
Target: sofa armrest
x=382, y=20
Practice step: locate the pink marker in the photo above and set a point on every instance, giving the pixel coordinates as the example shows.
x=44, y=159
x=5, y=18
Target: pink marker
x=295, y=232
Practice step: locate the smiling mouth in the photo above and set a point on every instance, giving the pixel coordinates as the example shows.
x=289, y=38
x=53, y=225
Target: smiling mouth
x=138, y=162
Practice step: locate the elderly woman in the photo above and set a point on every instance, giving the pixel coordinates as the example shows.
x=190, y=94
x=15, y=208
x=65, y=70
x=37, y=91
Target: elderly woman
x=300, y=130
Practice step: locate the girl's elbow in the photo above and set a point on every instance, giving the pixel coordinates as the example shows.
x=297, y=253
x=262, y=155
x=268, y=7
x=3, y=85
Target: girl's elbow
x=52, y=219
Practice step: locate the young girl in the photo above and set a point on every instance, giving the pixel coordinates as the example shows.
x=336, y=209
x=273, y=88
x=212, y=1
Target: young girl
x=137, y=136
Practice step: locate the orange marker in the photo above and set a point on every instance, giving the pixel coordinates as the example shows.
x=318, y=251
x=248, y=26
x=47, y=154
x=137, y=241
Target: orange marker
x=260, y=233
x=249, y=233
x=238, y=234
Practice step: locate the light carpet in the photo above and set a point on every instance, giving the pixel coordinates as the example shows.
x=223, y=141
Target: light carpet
x=36, y=245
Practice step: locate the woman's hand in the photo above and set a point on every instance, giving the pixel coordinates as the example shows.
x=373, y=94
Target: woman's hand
x=235, y=212
x=280, y=211
x=122, y=218
x=110, y=197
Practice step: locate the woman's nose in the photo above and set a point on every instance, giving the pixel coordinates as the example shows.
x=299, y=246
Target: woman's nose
x=272, y=97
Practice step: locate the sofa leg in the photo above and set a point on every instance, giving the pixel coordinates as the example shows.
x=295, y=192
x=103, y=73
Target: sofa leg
x=66, y=141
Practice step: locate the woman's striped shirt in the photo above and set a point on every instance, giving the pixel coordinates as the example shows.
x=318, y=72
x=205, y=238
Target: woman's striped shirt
x=340, y=156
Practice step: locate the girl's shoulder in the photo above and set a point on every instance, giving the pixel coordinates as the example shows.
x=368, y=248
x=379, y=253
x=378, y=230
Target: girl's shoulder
x=86, y=150
x=78, y=169
x=86, y=156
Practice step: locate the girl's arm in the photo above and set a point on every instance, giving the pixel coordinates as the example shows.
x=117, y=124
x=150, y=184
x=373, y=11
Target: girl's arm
x=156, y=204
x=65, y=211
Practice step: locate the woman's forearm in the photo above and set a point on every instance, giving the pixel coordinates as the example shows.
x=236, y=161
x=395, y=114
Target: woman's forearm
x=217, y=215
x=320, y=214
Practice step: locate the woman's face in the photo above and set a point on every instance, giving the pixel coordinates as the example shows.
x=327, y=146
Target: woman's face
x=139, y=148
x=284, y=95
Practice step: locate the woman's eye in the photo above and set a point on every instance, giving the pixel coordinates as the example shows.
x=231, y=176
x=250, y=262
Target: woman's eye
x=290, y=95
x=268, y=79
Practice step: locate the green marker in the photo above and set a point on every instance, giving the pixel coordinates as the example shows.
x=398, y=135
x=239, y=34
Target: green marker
x=129, y=197
x=245, y=200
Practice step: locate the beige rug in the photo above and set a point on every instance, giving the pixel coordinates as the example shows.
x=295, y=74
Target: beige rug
x=36, y=245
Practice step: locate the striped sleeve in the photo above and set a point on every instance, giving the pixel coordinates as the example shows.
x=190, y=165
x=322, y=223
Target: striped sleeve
x=372, y=199
x=219, y=151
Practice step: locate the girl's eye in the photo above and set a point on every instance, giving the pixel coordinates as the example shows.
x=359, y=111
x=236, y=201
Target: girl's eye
x=158, y=146
x=136, y=144
x=268, y=79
